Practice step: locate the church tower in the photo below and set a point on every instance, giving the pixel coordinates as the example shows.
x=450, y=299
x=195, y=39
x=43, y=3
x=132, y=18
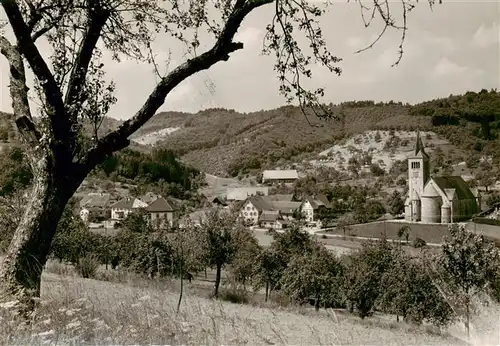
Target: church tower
x=418, y=175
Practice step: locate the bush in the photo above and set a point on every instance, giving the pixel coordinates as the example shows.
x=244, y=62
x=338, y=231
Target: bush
x=236, y=296
x=419, y=243
x=87, y=266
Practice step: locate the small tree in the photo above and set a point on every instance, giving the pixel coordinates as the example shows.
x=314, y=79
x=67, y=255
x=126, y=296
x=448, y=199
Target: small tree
x=267, y=271
x=404, y=232
x=363, y=275
x=469, y=260
x=408, y=290
x=247, y=250
x=220, y=230
x=396, y=203
x=315, y=275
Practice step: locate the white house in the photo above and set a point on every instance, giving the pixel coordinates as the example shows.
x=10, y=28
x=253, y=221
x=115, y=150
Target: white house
x=311, y=205
x=161, y=211
x=121, y=209
x=94, y=204
x=252, y=211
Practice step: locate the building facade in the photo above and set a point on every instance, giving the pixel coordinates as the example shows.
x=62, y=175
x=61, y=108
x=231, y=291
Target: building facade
x=436, y=199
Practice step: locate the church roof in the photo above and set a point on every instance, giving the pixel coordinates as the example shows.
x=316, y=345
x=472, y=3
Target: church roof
x=419, y=147
x=462, y=190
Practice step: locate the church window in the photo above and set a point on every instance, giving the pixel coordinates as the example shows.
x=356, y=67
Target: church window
x=415, y=165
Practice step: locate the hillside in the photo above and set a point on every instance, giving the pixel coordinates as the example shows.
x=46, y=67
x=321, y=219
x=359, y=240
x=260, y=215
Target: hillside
x=94, y=312
x=225, y=142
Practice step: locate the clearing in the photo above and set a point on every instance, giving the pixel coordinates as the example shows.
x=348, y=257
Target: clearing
x=338, y=155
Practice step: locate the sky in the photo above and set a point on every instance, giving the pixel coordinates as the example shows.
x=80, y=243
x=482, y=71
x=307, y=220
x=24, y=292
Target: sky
x=451, y=49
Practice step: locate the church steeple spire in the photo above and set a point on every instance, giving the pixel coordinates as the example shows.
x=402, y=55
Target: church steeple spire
x=419, y=146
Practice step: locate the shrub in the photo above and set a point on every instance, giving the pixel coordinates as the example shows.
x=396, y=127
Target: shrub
x=419, y=243
x=87, y=266
x=236, y=296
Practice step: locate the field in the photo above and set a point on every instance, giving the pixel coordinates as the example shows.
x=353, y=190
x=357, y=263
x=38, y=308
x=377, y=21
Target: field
x=431, y=233
x=78, y=310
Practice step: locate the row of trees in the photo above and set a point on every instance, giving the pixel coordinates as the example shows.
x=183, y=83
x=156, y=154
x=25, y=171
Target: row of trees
x=433, y=287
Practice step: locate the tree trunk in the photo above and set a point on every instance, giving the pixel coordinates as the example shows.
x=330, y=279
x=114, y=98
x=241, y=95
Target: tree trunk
x=182, y=280
x=20, y=273
x=316, y=303
x=467, y=317
x=217, y=281
x=267, y=290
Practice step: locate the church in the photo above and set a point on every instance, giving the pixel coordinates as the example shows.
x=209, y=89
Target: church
x=444, y=199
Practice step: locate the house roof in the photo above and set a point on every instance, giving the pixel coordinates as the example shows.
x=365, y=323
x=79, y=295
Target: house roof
x=462, y=190
x=242, y=193
x=319, y=200
x=275, y=198
x=259, y=203
x=149, y=197
x=161, y=205
x=280, y=174
x=269, y=215
x=93, y=200
x=286, y=207
x=129, y=203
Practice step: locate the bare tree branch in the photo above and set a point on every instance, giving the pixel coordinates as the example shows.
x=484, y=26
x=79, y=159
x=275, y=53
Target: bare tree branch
x=74, y=95
x=219, y=52
x=26, y=46
x=19, y=94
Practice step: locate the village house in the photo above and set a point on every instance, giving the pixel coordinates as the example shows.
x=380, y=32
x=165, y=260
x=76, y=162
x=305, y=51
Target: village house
x=242, y=193
x=94, y=206
x=196, y=218
x=279, y=176
x=162, y=212
x=434, y=199
x=121, y=209
x=310, y=207
x=273, y=211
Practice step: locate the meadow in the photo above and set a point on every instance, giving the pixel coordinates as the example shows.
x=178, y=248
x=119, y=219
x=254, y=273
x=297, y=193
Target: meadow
x=75, y=311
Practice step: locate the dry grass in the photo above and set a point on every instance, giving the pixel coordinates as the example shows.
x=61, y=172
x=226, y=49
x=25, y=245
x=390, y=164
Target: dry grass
x=87, y=311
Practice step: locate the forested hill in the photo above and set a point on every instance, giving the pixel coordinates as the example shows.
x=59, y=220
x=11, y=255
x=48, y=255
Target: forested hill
x=470, y=121
x=226, y=142
x=223, y=141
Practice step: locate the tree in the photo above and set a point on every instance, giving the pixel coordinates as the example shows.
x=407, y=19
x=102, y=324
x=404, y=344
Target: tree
x=396, y=203
x=220, y=230
x=313, y=276
x=407, y=290
x=188, y=254
x=242, y=267
x=73, y=93
x=363, y=274
x=404, y=231
x=266, y=271
x=469, y=260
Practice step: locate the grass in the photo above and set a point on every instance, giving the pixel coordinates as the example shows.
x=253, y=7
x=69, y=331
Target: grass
x=431, y=233
x=75, y=310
